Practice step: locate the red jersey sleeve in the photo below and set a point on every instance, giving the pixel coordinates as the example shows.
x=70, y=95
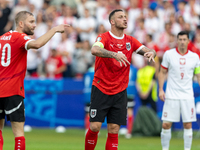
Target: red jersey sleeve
x=22, y=40
x=101, y=38
x=137, y=46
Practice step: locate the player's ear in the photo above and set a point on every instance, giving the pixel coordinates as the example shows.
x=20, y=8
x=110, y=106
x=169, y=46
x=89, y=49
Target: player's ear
x=21, y=24
x=112, y=21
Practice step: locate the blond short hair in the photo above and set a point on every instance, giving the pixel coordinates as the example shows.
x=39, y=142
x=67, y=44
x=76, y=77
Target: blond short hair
x=22, y=15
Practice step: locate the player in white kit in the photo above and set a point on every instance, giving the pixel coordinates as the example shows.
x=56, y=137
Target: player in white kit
x=181, y=64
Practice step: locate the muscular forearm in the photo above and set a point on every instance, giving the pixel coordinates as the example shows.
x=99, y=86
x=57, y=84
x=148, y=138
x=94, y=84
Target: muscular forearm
x=145, y=49
x=41, y=41
x=101, y=52
x=161, y=80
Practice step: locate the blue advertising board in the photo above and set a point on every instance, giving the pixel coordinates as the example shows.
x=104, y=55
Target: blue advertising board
x=51, y=103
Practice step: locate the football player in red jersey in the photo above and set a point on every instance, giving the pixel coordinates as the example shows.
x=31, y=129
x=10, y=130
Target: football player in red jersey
x=113, y=51
x=13, y=60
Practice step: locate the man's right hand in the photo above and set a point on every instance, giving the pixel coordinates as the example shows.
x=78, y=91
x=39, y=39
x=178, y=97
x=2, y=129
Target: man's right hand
x=162, y=95
x=61, y=28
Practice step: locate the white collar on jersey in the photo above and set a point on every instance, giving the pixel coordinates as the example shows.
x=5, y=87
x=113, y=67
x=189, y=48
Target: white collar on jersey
x=12, y=31
x=116, y=36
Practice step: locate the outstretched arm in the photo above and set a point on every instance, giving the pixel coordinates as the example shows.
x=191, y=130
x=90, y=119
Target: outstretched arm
x=148, y=53
x=41, y=41
x=161, y=79
x=101, y=52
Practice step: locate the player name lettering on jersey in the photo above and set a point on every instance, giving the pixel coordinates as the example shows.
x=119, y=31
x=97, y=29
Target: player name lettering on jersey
x=6, y=37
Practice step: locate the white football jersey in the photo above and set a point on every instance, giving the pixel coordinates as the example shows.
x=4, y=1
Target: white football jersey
x=180, y=73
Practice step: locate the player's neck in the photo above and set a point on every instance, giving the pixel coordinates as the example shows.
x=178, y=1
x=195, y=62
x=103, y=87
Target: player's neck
x=182, y=51
x=19, y=30
x=117, y=32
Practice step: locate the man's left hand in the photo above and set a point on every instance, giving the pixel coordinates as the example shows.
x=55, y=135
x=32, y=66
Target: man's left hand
x=150, y=56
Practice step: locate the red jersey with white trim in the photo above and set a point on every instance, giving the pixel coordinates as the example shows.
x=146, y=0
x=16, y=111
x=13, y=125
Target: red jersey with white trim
x=110, y=77
x=13, y=62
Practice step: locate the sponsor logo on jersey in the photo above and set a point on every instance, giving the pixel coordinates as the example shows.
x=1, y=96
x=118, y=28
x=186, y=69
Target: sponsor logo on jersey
x=93, y=113
x=128, y=46
x=26, y=38
x=120, y=45
x=165, y=114
x=99, y=39
x=182, y=61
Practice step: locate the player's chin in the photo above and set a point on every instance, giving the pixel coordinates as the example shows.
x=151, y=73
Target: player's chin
x=32, y=32
x=124, y=27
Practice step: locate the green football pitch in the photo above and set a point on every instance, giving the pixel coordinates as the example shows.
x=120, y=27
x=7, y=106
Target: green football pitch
x=73, y=139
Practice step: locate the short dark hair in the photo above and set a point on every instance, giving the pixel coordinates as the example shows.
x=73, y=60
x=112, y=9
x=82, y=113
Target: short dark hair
x=183, y=33
x=22, y=15
x=113, y=12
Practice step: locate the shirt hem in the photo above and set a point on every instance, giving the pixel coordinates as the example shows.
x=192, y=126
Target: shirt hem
x=103, y=90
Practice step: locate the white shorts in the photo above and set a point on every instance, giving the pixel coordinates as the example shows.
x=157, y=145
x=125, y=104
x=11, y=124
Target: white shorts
x=173, y=109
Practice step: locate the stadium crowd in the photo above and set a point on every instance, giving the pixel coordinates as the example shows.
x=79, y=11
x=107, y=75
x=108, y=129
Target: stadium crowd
x=155, y=23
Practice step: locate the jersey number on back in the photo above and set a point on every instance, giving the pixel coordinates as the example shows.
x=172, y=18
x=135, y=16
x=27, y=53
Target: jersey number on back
x=5, y=55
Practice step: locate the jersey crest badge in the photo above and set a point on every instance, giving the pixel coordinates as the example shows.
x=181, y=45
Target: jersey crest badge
x=93, y=113
x=128, y=46
x=182, y=61
x=165, y=114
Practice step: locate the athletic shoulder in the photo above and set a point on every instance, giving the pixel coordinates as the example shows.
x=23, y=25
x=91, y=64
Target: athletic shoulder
x=102, y=37
x=103, y=34
x=194, y=54
x=170, y=51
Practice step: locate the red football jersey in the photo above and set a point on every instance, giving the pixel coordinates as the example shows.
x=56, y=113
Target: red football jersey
x=109, y=76
x=13, y=64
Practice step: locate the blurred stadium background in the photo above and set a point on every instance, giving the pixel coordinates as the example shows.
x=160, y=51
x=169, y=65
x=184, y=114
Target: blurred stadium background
x=56, y=98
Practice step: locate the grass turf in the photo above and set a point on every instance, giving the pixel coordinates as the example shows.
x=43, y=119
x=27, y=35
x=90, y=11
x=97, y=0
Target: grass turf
x=73, y=139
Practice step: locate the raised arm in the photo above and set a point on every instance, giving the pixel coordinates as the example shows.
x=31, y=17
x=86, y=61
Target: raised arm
x=161, y=79
x=101, y=52
x=148, y=53
x=41, y=41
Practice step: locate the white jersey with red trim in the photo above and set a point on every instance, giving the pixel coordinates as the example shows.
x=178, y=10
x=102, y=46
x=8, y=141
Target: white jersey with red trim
x=180, y=73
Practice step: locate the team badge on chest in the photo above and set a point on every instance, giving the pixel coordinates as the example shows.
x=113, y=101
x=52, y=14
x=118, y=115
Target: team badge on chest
x=128, y=46
x=182, y=61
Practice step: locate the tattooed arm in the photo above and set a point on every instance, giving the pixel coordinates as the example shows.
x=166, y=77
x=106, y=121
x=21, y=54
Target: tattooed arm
x=101, y=52
x=148, y=53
